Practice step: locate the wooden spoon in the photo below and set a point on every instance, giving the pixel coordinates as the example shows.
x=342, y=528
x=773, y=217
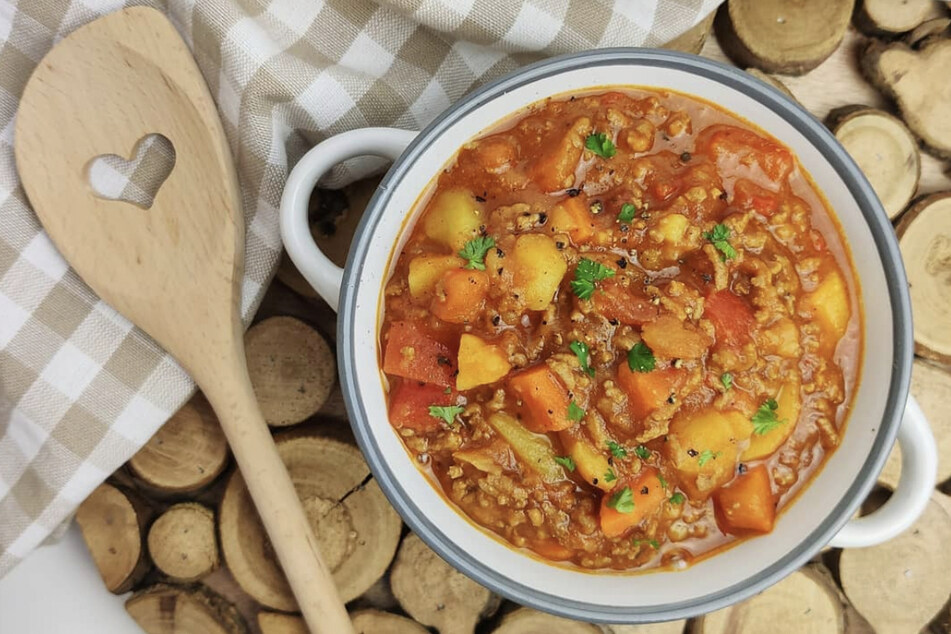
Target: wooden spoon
x=173, y=269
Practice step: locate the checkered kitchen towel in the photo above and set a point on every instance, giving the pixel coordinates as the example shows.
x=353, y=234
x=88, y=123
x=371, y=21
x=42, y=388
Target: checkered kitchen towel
x=80, y=389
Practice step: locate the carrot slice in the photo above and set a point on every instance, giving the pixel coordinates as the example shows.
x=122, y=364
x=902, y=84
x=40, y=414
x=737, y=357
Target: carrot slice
x=646, y=391
x=615, y=302
x=630, y=502
x=544, y=397
x=747, y=504
x=460, y=295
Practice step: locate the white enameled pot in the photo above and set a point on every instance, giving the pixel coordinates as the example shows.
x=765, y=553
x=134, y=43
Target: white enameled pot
x=821, y=514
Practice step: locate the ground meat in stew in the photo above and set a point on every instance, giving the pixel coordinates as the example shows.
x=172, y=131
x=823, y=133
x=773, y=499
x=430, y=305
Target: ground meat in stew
x=624, y=330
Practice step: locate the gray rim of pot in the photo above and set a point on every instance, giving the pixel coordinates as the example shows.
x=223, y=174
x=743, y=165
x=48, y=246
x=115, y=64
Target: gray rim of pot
x=885, y=242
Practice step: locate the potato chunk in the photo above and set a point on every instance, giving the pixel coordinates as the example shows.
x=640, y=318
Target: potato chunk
x=829, y=306
x=480, y=363
x=425, y=271
x=789, y=403
x=672, y=228
x=532, y=449
x=704, y=446
x=453, y=218
x=538, y=270
x=590, y=463
x=669, y=337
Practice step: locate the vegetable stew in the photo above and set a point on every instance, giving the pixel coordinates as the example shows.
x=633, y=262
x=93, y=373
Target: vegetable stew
x=624, y=330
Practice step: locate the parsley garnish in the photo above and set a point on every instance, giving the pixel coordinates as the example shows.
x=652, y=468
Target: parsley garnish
x=627, y=212
x=580, y=349
x=640, y=358
x=622, y=501
x=653, y=543
x=705, y=456
x=642, y=452
x=765, y=420
x=600, y=144
x=609, y=476
x=727, y=380
x=587, y=274
x=447, y=413
x=566, y=461
x=677, y=498
x=662, y=481
x=474, y=251
x=720, y=237
x=616, y=450
x=575, y=413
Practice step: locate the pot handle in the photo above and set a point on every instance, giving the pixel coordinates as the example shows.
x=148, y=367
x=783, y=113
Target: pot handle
x=919, y=466
x=325, y=276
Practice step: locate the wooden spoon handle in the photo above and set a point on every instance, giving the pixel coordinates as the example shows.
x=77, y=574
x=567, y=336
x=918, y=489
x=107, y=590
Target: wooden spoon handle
x=233, y=400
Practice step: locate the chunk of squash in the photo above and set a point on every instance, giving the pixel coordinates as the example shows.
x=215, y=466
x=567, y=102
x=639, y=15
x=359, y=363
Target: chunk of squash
x=453, y=218
x=647, y=494
x=544, y=398
x=480, y=363
x=533, y=450
x=703, y=447
x=590, y=463
x=829, y=306
x=425, y=271
x=460, y=295
x=747, y=504
x=788, y=405
x=538, y=270
x=573, y=217
x=554, y=167
x=647, y=391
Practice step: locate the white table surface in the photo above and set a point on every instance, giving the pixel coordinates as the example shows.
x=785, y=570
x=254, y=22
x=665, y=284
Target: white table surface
x=57, y=590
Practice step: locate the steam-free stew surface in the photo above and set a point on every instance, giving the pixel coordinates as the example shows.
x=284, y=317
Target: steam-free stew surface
x=623, y=332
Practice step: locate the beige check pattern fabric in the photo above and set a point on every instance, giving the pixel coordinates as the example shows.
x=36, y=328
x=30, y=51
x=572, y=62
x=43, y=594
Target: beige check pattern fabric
x=81, y=389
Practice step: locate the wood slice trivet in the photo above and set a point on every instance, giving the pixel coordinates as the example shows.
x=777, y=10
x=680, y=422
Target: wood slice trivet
x=529, y=621
x=112, y=522
x=900, y=585
x=436, y=594
x=164, y=609
x=357, y=529
x=292, y=369
x=187, y=453
x=804, y=602
x=182, y=542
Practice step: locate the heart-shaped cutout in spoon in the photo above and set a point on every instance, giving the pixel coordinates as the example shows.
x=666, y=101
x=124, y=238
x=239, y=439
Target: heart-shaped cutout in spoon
x=136, y=179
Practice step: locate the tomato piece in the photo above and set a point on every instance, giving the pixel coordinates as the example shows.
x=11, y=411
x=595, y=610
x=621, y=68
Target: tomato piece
x=732, y=317
x=647, y=391
x=413, y=353
x=409, y=405
x=646, y=494
x=615, y=302
x=751, y=197
x=730, y=141
x=545, y=398
x=747, y=504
